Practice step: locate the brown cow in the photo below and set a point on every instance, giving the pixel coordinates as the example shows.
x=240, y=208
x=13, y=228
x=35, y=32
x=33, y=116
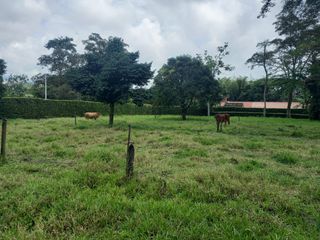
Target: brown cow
x=92, y=115
x=222, y=118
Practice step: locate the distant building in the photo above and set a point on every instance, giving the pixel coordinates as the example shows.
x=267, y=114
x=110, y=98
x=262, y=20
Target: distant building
x=241, y=104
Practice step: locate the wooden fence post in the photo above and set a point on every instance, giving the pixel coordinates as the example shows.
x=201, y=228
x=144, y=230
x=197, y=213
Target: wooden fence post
x=3, y=138
x=130, y=155
x=75, y=119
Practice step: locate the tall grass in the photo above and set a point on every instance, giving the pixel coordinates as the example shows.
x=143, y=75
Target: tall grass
x=252, y=181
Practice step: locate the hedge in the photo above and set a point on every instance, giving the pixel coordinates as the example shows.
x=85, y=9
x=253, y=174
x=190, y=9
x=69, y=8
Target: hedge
x=175, y=110
x=40, y=108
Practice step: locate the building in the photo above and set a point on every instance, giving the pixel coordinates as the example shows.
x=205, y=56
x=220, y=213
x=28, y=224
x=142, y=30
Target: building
x=273, y=105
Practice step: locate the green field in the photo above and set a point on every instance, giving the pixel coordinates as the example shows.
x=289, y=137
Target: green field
x=258, y=179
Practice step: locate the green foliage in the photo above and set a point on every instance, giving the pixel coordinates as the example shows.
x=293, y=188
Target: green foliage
x=63, y=57
x=3, y=67
x=40, y=108
x=16, y=86
x=140, y=96
x=313, y=84
x=298, y=25
x=109, y=71
x=181, y=81
x=58, y=88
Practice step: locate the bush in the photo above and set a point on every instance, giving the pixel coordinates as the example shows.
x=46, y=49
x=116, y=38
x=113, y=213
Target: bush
x=40, y=108
x=175, y=110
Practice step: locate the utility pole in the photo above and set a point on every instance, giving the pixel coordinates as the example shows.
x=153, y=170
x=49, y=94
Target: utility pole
x=45, y=87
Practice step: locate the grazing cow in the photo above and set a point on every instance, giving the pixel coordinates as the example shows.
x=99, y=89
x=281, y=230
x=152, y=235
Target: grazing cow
x=92, y=115
x=222, y=118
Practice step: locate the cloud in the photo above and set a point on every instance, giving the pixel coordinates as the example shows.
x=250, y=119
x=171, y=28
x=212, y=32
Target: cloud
x=158, y=29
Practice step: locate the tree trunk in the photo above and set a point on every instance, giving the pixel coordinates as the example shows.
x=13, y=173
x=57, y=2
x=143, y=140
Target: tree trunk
x=265, y=97
x=111, y=114
x=208, y=106
x=184, y=114
x=290, y=97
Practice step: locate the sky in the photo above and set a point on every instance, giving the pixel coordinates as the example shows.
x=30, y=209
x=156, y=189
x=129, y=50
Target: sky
x=158, y=29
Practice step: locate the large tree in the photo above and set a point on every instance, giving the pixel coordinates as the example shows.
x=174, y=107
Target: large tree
x=313, y=84
x=181, y=81
x=63, y=56
x=263, y=59
x=299, y=30
x=210, y=92
x=109, y=71
x=3, y=67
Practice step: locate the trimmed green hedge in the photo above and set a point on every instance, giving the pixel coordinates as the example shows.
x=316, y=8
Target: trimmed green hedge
x=40, y=108
x=273, y=112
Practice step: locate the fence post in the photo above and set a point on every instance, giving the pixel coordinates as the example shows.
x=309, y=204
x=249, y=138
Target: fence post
x=130, y=155
x=75, y=119
x=3, y=138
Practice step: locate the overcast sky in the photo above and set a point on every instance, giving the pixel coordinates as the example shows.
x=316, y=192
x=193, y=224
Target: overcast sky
x=157, y=28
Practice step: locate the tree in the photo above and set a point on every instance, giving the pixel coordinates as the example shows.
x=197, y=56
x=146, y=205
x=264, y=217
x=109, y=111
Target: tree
x=180, y=81
x=109, y=71
x=210, y=92
x=313, y=84
x=3, y=67
x=313, y=6
x=267, y=5
x=298, y=27
x=16, y=85
x=234, y=89
x=140, y=96
x=263, y=59
x=58, y=87
x=63, y=57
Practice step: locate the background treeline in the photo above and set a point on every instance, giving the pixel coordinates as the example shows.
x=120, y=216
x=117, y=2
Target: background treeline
x=35, y=108
x=108, y=72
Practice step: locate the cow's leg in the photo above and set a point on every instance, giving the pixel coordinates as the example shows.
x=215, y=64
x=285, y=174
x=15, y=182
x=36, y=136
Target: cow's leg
x=221, y=126
x=217, y=126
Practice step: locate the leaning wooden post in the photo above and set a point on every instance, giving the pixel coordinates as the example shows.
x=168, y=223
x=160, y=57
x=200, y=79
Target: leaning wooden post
x=130, y=155
x=3, y=138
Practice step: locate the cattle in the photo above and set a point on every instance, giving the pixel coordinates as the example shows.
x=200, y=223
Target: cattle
x=222, y=118
x=92, y=115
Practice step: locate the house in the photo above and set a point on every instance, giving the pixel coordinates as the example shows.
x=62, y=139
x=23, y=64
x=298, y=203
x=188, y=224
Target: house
x=246, y=104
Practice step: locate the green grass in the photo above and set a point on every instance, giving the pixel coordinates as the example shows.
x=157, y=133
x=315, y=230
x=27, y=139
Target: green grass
x=258, y=179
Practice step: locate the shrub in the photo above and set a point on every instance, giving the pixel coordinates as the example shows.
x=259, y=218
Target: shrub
x=40, y=108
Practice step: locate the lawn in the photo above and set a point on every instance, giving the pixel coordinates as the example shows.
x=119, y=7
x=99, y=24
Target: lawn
x=258, y=179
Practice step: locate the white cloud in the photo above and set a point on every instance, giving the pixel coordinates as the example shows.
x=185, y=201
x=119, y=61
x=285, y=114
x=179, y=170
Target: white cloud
x=159, y=29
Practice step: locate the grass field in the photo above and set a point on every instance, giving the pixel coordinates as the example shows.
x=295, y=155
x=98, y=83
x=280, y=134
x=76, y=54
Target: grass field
x=258, y=179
